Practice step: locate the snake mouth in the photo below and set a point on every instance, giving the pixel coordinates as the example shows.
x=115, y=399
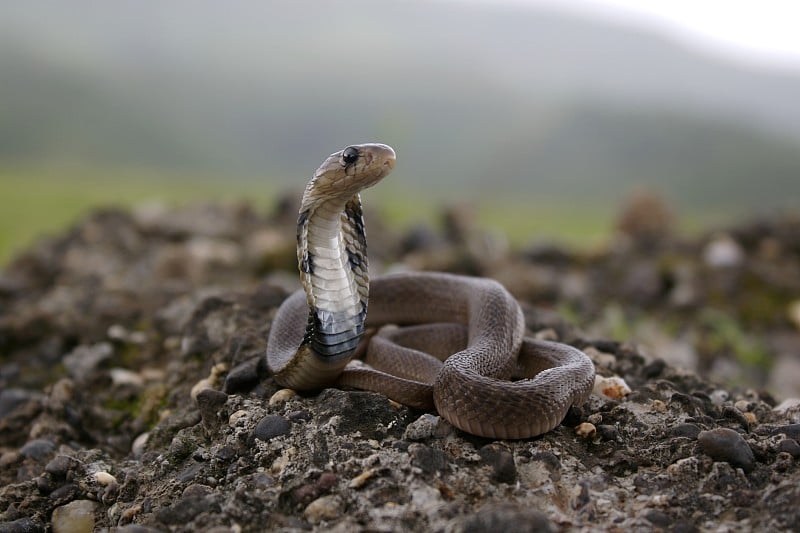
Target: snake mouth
x=380, y=156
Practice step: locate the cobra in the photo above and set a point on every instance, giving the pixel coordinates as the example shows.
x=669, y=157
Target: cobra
x=444, y=341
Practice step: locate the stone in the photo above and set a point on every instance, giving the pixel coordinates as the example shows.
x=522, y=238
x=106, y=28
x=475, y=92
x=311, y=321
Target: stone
x=324, y=508
x=272, y=426
x=723, y=444
x=37, y=449
x=502, y=462
x=74, y=517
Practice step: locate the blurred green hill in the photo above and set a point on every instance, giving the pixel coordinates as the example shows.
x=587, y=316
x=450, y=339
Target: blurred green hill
x=488, y=102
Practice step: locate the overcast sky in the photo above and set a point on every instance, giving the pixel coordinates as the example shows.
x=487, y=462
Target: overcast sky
x=752, y=30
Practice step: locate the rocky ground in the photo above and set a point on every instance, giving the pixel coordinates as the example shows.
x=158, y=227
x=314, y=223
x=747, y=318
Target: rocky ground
x=135, y=398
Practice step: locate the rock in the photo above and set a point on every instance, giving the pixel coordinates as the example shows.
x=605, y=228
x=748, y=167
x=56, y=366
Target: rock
x=613, y=388
x=502, y=462
x=723, y=444
x=139, y=444
x=81, y=361
x=308, y=492
x=136, y=528
x=362, y=479
x=723, y=252
x=427, y=459
x=506, y=517
x=74, y=517
x=244, y=376
x=10, y=399
x=790, y=430
x=272, y=426
x=793, y=312
x=21, y=525
x=38, y=449
x=60, y=466
x=689, y=431
x=586, y=430
x=187, y=509
x=281, y=396
x=324, y=508
x=789, y=446
x=209, y=402
x=422, y=428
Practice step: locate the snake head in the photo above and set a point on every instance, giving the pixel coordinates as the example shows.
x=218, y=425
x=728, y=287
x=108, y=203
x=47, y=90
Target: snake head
x=349, y=171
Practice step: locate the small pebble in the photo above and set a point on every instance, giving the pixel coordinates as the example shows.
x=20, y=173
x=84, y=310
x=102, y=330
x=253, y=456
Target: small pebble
x=791, y=430
x=723, y=252
x=209, y=402
x=11, y=398
x=243, y=376
x=548, y=334
x=613, y=388
x=689, y=431
x=138, y=445
x=104, y=478
x=658, y=406
x=751, y=417
x=422, y=428
x=236, y=417
x=608, y=432
x=586, y=430
x=74, y=517
x=427, y=459
x=37, y=449
x=272, y=426
x=21, y=525
x=723, y=444
x=361, y=479
x=200, y=386
x=601, y=359
x=281, y=396
x=654, y=369
x=789, y=446
x=507, y=517
x=81, y=361
x=123, y=376
x=787, y=405
x=60, y=466
x=719, y=396
x=595, y=418
x=793, y=312
x=502, y=462
x=324, y=508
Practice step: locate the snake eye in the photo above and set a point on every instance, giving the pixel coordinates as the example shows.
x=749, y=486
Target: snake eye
x=349, y=156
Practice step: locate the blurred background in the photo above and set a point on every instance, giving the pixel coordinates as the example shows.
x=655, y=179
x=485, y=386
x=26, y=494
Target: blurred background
x=544, y=115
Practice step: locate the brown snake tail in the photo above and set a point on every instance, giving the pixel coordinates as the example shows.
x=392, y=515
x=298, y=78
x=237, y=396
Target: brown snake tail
x=459, y=345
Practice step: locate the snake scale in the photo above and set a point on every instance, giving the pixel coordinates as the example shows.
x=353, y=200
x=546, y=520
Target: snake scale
x=444, y=341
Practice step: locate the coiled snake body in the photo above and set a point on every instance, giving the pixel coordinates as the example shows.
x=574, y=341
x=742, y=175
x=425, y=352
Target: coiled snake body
x=459, y=345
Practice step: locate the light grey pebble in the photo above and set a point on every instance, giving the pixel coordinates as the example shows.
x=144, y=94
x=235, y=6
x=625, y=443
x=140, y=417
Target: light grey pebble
x=83, y=359
x=74, y=517
x=37, y=449
x=422, y=428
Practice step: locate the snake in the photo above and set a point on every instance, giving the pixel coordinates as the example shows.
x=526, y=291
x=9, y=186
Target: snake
x=428, y=340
